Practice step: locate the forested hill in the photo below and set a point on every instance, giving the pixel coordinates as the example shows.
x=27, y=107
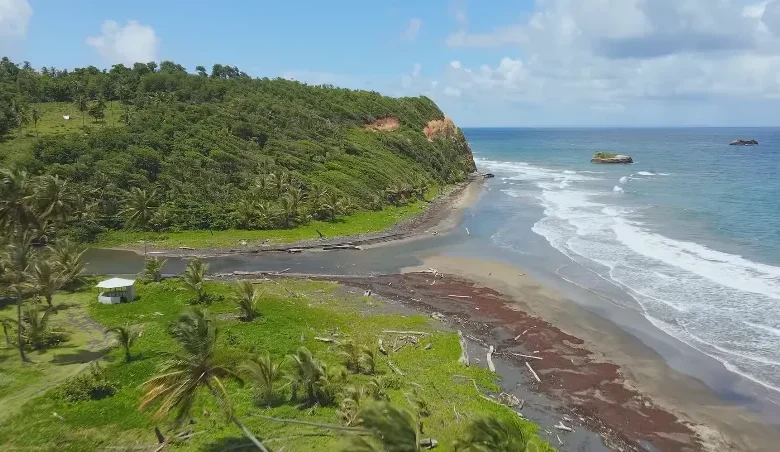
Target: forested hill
x=152, y=147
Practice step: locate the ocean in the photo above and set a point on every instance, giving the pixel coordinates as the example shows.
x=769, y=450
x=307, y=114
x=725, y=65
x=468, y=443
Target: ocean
x=688, y=236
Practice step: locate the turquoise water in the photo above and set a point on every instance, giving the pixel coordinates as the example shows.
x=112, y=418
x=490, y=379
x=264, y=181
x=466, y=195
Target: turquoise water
x=690, y=232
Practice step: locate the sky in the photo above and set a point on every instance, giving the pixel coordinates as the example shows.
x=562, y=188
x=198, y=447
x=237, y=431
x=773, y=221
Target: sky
x=499, y=63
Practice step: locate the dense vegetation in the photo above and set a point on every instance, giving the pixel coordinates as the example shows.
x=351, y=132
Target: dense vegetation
x=161, y=149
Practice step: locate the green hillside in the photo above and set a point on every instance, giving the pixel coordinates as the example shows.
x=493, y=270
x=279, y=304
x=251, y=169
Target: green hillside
x=154, y=148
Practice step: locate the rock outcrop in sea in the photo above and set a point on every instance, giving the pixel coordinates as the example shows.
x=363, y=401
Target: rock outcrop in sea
x=613, y=158
x=744, y=143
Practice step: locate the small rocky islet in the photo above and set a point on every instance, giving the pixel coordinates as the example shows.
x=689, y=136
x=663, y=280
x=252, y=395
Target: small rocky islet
x=609, y=157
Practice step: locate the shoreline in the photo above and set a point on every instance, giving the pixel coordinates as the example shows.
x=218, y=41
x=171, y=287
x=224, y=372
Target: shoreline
x=636, y=367
x=441, y=215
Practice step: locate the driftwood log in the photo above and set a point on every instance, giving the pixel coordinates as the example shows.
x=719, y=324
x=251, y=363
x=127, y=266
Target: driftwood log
x=490, y=364
x=464, y=354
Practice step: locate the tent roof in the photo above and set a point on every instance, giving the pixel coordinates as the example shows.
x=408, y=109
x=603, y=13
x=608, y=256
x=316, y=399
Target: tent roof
x=115, y=283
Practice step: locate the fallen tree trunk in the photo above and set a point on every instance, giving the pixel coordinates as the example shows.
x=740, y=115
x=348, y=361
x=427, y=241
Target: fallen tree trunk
x=525, y=356
x=538, y=380
x=490, y=359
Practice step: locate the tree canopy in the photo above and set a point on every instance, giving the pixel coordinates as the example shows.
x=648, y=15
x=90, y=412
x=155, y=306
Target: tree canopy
x=224, y=150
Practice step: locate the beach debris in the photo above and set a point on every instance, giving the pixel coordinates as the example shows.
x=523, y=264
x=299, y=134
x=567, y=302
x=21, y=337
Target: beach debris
x=283, y=271
x=560, y=442
x=458, y=416
x=417, y=299
x=418, y=333
x=437, y=316
x=560, y=426
x=522, y=404
x=395, y=368
x=295, y=250
x=186, y=248
x=464, y=354
x=526, y=356
x=428, y=443
x=459, y=296
x=303, y=337
x=324, y=339
x=367, y=293
x=521, y=274
x=428, y=346
x=524, y=331
x=57, y=416
x=508, y=399
x=243, y=242
x=492, y=367
x=382, y=348
x=533, y=372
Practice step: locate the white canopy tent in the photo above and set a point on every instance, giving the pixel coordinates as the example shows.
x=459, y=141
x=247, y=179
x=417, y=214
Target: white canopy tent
x=116, y=290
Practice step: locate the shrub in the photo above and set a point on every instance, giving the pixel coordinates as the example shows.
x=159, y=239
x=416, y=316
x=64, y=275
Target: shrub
x=605, y=155
x=88, y=386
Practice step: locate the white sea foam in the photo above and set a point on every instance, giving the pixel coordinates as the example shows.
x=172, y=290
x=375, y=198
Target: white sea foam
x=646, y=173
x=721, y=304
x=624, y=179
x=617, y=189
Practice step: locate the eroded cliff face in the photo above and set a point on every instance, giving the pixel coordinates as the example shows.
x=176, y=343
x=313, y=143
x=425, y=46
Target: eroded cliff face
x=447, y=130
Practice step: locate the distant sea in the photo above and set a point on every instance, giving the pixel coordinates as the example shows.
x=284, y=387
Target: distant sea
x=689, y=235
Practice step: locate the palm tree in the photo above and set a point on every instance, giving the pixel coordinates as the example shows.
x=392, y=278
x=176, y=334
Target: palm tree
x=316, y=195
x=46, y=279
x=394, y=430
x=82, y=103
x=288, y=210
x=368, y=359
x=349, y=407
x=54, y=198
x=35, y=326
x=69, y=261
x=263, y=372
x=153, y=268
x=314, y=377
x=15, y=189
x=330, y=208
x=195, y=277
x=139, y=207
x=194, y=368
x=279, y=179
x=490, y=434
x=7, y=324
x=18, y=260
x=36, y=116
x=245, y=212
x=125, y=337
x=246, y=299
x=351, y=352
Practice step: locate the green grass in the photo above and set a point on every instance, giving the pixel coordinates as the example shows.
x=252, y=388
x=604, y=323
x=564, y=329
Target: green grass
x=359, y=223
x=604, y=155
x=318, y=309
x=18, y=143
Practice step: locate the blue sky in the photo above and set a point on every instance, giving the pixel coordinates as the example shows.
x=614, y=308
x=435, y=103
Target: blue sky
x=497, y=63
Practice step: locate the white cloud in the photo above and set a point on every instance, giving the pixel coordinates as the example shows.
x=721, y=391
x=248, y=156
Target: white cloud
x=610, y=55
x=128, y=44
x=413, y=29
x=14, y=17
x=452, y=92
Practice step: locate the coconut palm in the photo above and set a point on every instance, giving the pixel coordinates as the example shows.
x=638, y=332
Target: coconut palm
x=47, y=279
x=15, y=189
x=280, y=180
x=331, y=206
x=313, y=377
x=69, y=261
x=288, y=210
x=262, y=184
x=352, y=400
x=394, y=430
x=245, y=213
x=246, y=299
x=139, y=207
x=125, y=337
x=18, y=260
x=35, y=326
x=54, y=199
x=153, y=268
x=192, y=369
x=195, y=277
x=490, y=434
x=368, y=359
x=351, y=354
x=36, y=116
x=316, y=195
x=296, y=198
x=263, y=372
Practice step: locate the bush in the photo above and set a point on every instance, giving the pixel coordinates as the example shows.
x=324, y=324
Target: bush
x=88, y=386
x=605, y=155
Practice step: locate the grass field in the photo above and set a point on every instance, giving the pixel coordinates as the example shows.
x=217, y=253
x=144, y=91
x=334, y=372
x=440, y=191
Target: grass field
x=287, y=322
x=359, y=223
x=18, y=143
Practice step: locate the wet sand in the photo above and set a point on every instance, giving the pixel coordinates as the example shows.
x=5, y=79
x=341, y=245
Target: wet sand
x=595, y=365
